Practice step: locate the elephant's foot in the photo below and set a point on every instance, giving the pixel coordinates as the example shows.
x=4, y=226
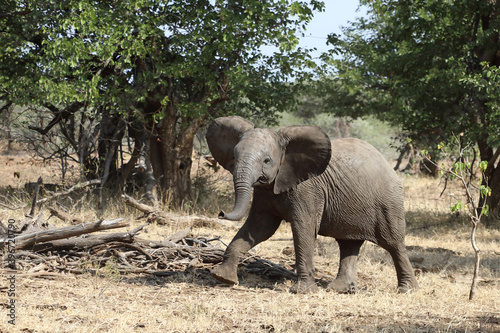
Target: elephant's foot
x=342, y=286
x=405, y=288
x=304, y=287
x=225, y=274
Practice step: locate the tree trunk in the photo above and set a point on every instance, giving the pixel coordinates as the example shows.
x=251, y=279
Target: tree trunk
x=494, y=200
x=489, y=52
x=139, y=166
x=112, y=132
x=171, y=153
x=492, y=174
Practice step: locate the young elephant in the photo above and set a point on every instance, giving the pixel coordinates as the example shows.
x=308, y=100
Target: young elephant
x=343, y=189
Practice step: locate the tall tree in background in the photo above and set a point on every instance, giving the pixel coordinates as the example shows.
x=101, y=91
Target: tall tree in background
x=431, y=67
x=159, y=68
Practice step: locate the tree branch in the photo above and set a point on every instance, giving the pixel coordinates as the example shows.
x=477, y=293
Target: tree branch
x=71, y=189
x=60, y=115
x=5, y=107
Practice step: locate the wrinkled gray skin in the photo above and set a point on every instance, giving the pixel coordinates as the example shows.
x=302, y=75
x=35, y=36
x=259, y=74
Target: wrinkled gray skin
x=343, y=189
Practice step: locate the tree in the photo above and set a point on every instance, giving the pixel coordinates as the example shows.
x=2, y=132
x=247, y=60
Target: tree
x=463, y=169
x=431, y=67
x=159, y=69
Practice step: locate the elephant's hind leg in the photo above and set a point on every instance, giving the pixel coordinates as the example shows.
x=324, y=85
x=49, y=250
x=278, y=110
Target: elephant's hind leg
x=404, y=270
x=347, y=276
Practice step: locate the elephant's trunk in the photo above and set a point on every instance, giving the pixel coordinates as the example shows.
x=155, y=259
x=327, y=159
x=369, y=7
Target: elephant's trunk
x=242, y=192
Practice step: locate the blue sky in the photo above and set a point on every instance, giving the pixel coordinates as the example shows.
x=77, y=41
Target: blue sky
x=337, y=14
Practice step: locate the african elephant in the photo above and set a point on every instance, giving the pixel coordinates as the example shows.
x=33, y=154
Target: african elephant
x=343, y=189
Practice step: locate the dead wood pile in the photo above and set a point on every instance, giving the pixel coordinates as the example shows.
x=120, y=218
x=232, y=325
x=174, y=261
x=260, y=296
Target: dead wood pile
x=83, y=248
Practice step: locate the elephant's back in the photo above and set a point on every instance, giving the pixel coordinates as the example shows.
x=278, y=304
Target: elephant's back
x=364, y=193
x=357, y=158
x=356, y=150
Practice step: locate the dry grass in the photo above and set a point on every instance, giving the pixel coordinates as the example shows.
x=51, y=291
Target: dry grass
x=191, y=301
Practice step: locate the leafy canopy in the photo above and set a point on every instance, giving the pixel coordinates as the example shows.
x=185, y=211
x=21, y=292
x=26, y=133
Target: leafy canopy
x=421, y=65
x=195, y=54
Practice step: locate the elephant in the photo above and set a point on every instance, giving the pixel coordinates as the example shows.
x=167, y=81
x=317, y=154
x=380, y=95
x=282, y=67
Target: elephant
x=343, y=188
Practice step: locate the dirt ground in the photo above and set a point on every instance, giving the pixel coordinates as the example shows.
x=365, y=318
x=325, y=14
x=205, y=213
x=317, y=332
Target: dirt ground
x=191, y=301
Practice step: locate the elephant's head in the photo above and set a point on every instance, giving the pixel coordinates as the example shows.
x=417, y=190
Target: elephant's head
x=261, y=157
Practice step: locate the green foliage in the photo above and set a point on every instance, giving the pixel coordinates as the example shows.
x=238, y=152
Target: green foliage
x=428, y=67
x=419, y=65
x=483, y=165
x=166, y=67
x=485, y=191
x=485, y=210
x=457, y=207
x=465, y=169
x=195, y=54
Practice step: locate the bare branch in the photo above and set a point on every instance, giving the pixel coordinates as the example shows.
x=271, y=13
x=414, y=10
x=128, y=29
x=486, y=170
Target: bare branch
x=26, y=241
x=60, y=115
x=71, y=189
x=64, y=216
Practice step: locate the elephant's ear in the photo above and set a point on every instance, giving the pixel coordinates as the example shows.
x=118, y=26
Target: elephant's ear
x=222, y=135
x=307, y=152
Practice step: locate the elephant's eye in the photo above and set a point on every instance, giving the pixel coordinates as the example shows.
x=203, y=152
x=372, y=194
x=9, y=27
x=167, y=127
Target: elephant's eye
x=267, y=160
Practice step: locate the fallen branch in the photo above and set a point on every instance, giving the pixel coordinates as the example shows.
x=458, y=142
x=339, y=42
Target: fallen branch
x=180, y=235
x=269, y=269
x=155, y=244
x=58, y=250
x=30, y=225
x=25, y=241
x=80, y=243
x=140, y=206
x=64, y=216
x=153, y=214
x=71, y=189
x=159, y=216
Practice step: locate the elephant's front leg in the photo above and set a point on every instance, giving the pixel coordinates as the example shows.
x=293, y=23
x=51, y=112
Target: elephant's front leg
x=304, y=236
x=256, y=229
